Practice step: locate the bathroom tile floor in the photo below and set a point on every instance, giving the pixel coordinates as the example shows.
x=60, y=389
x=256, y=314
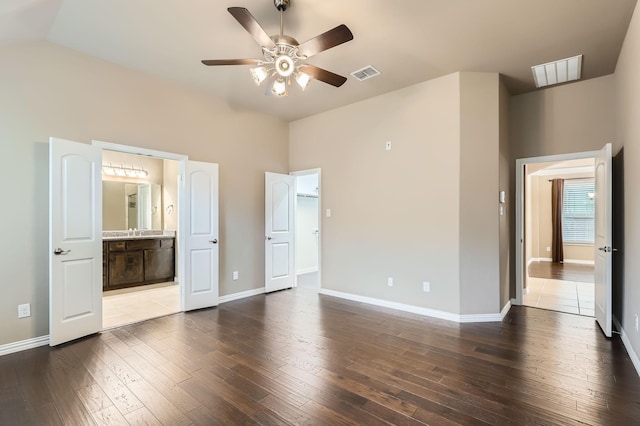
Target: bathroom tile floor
x=572, y=297
x=135, y=304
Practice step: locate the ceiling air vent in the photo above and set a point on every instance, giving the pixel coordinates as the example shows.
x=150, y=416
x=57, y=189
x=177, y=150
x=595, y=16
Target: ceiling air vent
x=365, y=73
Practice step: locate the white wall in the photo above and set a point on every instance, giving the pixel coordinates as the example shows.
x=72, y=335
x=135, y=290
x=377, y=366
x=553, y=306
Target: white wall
x=306, y=239
x=48, y=91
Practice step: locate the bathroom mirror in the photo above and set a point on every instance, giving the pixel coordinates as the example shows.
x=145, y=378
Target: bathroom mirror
x=128, y=205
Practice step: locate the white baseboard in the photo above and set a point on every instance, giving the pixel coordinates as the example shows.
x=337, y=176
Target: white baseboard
x=414, y=309
x=23, y=345
x=306, y=271
x=579, y=262
x=548, y=259
x=505, y=310
x=627, y=344
x=240, y=295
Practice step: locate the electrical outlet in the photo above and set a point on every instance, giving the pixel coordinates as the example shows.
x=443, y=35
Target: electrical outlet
x=235, y=275
x=387, y=145
x=426, y=286
x=548, y=248
x=390, y=282
x=24, y=310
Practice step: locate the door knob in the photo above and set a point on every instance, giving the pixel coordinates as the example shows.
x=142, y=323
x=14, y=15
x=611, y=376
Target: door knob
x=214, y=241
x=269, y=238
x=607, y=249
x=59, y=251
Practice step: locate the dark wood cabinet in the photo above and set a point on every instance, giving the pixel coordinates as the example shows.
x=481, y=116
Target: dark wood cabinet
x=134, y=262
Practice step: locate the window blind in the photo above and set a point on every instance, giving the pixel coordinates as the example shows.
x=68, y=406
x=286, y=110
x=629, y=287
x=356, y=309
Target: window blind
x=578, y=207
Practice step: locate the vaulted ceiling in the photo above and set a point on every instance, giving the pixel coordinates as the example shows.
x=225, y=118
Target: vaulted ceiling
x=409, y=41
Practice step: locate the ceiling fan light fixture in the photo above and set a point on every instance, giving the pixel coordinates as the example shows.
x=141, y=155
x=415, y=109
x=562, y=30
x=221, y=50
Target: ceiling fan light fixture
x=279, y=87
x=259, y=74
x=302, y=79
x=284, y=65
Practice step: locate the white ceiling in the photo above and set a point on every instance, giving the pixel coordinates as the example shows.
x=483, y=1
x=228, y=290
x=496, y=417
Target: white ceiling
x=408, y=41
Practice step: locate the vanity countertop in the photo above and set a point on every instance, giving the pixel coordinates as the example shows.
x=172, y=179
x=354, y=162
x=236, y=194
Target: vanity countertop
x=136, y=237
x=140, y=235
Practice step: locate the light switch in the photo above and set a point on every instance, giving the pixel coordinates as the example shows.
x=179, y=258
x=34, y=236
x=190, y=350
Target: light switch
x=387, y=145
x=328, y=212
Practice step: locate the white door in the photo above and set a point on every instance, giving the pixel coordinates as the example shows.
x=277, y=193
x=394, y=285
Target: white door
x=603, y=249
x=75, y=240
x=201, y=235
x=279, y=238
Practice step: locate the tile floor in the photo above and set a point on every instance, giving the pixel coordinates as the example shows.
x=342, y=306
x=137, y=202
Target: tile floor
x=565, y=296
x=135, y=304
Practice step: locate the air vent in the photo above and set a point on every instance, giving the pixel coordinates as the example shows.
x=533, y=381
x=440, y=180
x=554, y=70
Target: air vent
x=557, y=72
x=365, y=73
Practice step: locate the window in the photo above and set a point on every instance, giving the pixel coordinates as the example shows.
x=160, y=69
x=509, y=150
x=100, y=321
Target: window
x=578, y=207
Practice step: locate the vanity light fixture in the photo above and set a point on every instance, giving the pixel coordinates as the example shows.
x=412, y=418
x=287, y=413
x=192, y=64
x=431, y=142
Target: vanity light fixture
x=122, y=171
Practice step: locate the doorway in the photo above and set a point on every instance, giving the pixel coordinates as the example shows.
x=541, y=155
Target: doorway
x=140, y=206
x=307, y=216
x=559, y=250
x=602, y=233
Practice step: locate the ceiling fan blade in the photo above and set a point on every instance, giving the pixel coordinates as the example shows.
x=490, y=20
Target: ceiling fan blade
x=323, y=75
x=332, y=38
x=231, y=62
x=246, y=19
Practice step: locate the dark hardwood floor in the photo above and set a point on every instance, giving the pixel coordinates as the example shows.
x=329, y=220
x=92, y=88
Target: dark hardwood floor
x=561, y=271
x=294, y=357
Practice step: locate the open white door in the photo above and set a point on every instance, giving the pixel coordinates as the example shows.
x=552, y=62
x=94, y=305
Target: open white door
x=602, y=244
x=75, y=240
x=280, y=192
x=201, y=235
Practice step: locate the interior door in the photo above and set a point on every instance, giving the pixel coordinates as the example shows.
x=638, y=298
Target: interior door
x=603, y=249
x=279, y=231
x=75, y=240
x=201, y=230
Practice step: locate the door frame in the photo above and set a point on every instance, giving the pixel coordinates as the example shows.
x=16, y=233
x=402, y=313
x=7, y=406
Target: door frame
x=182, y=161
x=520, y=222
x=317, y=171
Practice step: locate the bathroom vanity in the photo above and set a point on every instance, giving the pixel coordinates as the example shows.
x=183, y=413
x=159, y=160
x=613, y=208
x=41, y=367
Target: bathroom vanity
x=129, y=261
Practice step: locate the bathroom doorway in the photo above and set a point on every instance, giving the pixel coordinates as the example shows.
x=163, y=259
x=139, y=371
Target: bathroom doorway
x=140, y=224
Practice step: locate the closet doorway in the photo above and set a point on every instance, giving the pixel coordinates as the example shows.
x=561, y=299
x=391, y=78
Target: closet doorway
x=308, y=230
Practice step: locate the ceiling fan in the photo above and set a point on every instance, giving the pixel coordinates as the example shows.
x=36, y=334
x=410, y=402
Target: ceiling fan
x=283, y=56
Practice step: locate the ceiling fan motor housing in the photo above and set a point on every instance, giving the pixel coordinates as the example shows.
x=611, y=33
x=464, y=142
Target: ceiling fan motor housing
x=282, y=5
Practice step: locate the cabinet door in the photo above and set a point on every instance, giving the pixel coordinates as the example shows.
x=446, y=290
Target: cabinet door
x=125, y=268
x=159, y=265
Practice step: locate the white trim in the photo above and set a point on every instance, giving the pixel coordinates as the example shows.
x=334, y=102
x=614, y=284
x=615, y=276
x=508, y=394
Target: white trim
x=519, y=200
x=139, y=151
x=548, y=259
x=579, y=262
x=627, y=344
x=240, y=295
x=505, y=310
x=23, y=345
x=513, y=301
x=413, y=309
x=306, y=271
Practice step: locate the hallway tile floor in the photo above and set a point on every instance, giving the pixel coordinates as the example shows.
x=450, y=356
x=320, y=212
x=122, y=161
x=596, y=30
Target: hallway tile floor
x=572, y=297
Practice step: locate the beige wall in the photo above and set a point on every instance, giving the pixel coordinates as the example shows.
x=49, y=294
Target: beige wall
x=504, y=176
x=479, y=188
x=52, y=91
x=627, y=90
x=394, y=213
x=411, y=213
